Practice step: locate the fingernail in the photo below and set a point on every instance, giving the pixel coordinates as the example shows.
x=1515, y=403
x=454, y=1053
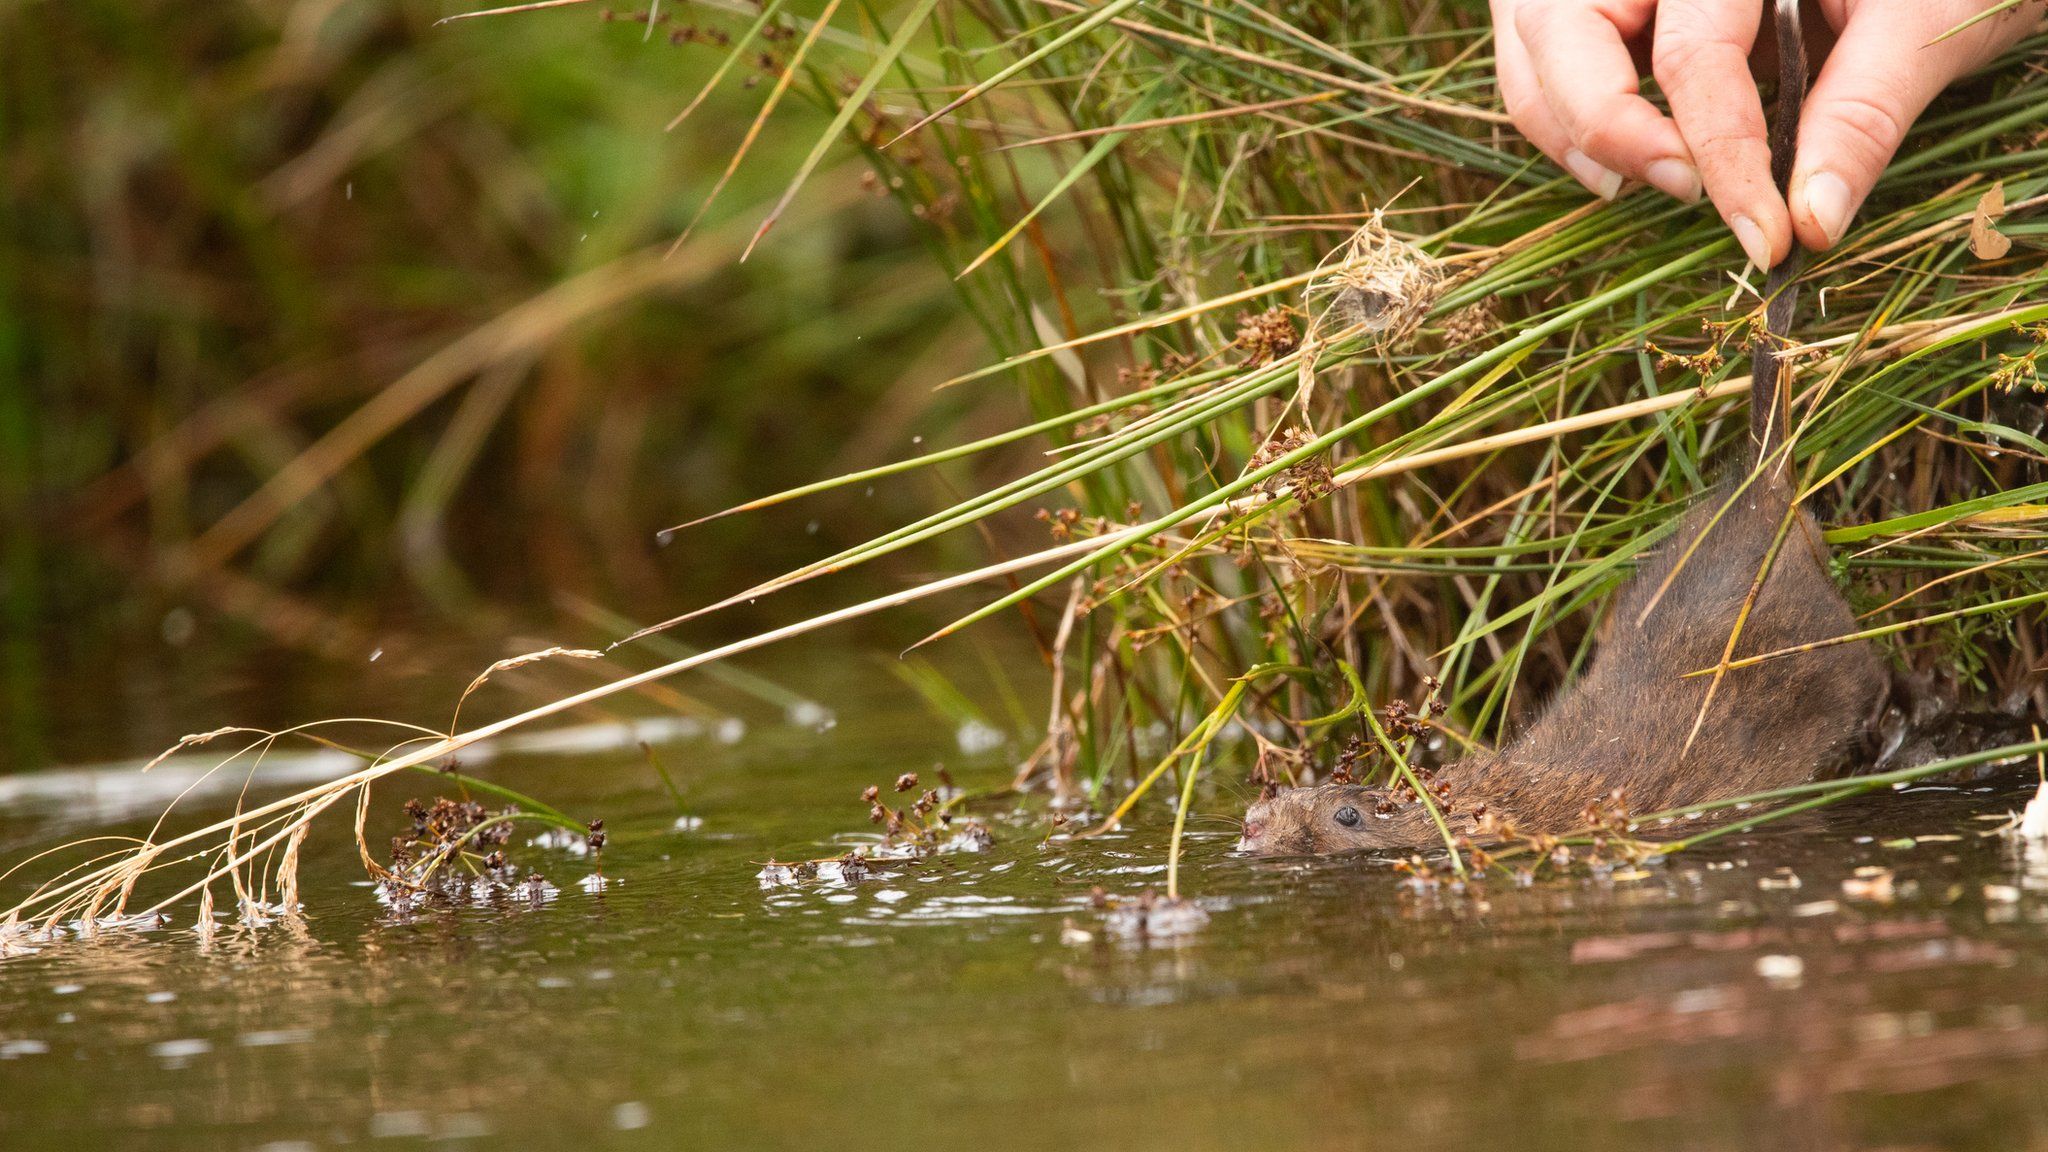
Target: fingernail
x=1827, y=199
x=1752, y=240
x=1603, y=182
x=1674, y=178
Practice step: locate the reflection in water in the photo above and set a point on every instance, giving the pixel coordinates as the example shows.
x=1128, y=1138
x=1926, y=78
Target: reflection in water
x=1871, y=979
x=124, y=790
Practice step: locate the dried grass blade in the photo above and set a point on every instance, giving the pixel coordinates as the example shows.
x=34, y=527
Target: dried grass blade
x=897, y=43
x=768, y=106
x=739, y=49
x=1093, y=21
x=1095, y=155
x=535, y=6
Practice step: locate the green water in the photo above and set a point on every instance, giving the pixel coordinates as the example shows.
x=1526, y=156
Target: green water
x=1739, y=998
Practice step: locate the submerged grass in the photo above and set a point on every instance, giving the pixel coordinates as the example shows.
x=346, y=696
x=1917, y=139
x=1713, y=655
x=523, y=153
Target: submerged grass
x=1343, y=392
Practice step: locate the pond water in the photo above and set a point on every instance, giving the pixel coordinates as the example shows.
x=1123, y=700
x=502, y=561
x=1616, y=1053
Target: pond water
x=1876, y=978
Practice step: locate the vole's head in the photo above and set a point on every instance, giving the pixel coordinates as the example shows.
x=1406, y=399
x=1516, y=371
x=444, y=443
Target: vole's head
x=1333, y=818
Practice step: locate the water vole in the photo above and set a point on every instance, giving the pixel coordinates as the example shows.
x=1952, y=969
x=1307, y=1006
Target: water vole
x=1626, y=723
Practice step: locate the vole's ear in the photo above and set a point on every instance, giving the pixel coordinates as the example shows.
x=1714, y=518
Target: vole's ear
x=1268, y=790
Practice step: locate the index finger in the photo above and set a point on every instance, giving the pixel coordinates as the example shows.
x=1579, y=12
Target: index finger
x=1700, y=57
x=1591, y=84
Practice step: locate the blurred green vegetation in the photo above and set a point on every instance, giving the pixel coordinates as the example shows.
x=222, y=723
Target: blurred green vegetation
x=412, y=279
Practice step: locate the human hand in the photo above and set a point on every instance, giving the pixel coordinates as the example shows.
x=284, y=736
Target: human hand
x=1570, y=72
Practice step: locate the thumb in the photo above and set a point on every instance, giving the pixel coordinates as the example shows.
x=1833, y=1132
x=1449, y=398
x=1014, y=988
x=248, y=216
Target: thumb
x=1881, y=75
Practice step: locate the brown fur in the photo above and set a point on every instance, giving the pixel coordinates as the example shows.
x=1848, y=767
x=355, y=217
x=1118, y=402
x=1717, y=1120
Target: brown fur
x=1624, y=726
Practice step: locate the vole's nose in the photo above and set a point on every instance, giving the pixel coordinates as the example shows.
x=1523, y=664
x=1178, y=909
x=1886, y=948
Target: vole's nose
x=1252, y=828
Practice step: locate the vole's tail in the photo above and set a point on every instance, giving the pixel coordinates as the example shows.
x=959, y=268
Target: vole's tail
x=1770, y=396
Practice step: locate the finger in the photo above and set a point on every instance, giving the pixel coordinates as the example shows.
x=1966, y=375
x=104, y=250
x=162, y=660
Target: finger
x=1582, y=63
x=1701, y=60
x=1881, y=75
x=1518, y=88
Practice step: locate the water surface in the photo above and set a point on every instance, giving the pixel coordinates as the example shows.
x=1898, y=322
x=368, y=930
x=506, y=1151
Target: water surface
x=1760, y=994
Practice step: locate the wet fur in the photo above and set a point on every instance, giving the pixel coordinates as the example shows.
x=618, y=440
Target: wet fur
x=1624, y=726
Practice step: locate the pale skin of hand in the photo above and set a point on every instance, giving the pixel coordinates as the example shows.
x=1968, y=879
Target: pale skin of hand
x=1570, y=75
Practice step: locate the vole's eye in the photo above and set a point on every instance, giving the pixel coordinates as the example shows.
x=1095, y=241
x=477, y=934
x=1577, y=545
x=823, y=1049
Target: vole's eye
x=1347, y=816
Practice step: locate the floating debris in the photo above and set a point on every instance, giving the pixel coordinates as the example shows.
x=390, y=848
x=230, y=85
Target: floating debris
x=264, y=913
x=18, y=940
x=136, y=922
x=561, y=840
x=973, y=836
x=851, y=868
x=454, y=855
x=536, y=890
